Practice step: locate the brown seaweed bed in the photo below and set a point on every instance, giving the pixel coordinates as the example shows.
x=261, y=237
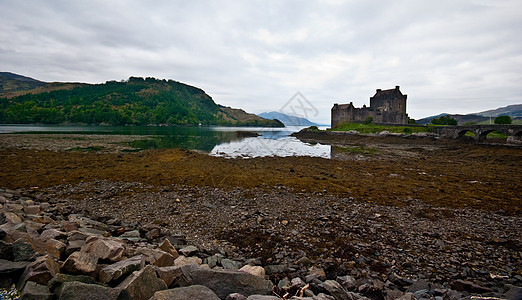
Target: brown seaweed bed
x=433, y=210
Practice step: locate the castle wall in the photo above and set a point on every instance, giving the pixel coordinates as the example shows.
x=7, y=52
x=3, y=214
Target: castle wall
x=386, y=107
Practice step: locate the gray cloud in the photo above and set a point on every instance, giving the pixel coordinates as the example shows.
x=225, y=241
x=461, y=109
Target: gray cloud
x=448, y=56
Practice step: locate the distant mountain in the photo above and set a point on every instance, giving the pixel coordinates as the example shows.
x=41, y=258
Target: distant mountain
x=287, y=119
x=12, y=85
x=136, y=101
x=514, y=111
x=461, y=119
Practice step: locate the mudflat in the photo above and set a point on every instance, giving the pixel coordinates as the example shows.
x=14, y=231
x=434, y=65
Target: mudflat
x=428, y=209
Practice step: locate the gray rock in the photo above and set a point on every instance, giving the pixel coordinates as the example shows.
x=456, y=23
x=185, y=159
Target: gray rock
x=33, y=209
x=298, y=282
x=422, y=294
x=81, y=291
x=10, y=270
x=322, y=296
x=418, y=285
x=315, y=273
x=236, y=296
x=133, y=235
x=189, y=250
x=513, y=292
x=212, y=261
x=407, y=296
x=6, y=251
x=142, y=284
x=35, y=291
x=231, y=264
x=195, y=292
x=115, y=271
x=59, y=279
x=262, y=297
x=347, y=281
x=335, y=289
x=22, y=251
x=468, y=286
x=276, y=269
x=224, y=282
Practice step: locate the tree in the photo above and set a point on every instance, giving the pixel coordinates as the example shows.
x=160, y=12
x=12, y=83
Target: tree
x=503, y=120
x=444, y=120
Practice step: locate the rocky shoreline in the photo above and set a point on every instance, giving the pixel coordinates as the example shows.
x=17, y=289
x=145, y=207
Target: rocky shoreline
x=53, y=246
x=409, y=218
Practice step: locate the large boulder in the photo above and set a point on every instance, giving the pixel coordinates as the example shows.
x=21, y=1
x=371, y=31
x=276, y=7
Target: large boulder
x=10, y=270
x=183, y=261
x=142, y=284
x=81, y=291
x=105, y=249
x=59, y=279
x=156, y=257
x=193, y=292
x=41, y=271
x=80, y=263
x=254, y=270
x=224, y=282
x=169, y=274
x=33, y=290
x=115, y=271
x=167, y=247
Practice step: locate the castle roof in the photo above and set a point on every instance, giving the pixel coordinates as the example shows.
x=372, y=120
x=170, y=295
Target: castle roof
x=343, y=106
x=391, y=93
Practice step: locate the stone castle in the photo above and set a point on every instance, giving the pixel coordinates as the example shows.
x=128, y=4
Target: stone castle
x=386, y=107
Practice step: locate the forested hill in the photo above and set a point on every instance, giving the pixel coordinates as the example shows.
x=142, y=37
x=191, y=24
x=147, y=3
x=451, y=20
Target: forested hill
x=137, y=101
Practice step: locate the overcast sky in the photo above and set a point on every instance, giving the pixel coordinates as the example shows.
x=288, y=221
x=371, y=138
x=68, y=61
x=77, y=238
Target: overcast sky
x=454, y=56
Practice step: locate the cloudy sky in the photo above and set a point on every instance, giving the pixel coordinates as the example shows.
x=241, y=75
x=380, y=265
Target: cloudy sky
x=454, y=56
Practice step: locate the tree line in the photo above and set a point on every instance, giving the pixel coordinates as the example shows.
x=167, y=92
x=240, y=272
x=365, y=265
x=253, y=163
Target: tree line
x=137, y=101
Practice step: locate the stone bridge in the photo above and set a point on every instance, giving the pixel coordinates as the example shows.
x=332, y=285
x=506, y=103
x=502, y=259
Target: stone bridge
x=514, y=132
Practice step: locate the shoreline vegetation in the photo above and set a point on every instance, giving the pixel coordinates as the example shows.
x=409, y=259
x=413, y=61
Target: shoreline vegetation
x=365, y=129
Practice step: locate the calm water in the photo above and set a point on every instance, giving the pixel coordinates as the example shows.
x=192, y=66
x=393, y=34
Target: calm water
x=217, y=141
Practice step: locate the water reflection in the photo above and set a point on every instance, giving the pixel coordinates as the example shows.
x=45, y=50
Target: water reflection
x=217, y=141
x=270, y=146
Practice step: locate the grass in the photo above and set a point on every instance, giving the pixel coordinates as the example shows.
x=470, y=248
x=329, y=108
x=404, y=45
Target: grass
x=491, y=135
x=373, y=128
x=357, y=150
x=87, y=149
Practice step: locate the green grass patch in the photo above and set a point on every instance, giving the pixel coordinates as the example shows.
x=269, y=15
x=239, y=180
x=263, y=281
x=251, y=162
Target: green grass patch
x=87, y=149
x=357, y=150
x=496, y=135
x=373, y=128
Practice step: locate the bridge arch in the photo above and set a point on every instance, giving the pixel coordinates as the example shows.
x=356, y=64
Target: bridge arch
x=462, y=133
x=484, y=134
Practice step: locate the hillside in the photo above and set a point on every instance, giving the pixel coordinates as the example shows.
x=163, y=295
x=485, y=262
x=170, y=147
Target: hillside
x=12, y=85
x=461, y=119
x=514, y=111
x=287, y=119
x=137, y=101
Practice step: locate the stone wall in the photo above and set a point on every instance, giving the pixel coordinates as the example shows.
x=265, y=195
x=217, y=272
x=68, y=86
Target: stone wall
x=386, y=107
